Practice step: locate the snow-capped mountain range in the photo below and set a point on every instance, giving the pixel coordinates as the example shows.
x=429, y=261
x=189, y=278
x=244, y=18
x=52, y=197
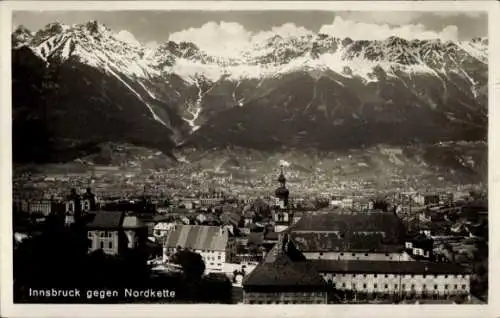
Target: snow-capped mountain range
x=307, y=86
x=96, y=45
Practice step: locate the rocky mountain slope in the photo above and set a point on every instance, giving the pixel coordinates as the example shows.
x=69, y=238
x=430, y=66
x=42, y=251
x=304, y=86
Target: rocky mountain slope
x=75, y=87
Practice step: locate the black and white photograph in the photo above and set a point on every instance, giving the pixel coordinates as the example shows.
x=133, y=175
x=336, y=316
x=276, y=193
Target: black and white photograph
x=251, y=157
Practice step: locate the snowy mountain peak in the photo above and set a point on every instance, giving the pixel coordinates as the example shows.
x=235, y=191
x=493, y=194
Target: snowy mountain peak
x=21, y=36
x=271, y=53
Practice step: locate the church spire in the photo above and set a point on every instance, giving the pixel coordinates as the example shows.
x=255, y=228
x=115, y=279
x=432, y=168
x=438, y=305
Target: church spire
x=282, y=192
x=281, y=178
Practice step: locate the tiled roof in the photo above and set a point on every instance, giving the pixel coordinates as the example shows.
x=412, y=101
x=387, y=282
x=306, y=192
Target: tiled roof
x=342, y=231
x=386, y=267
x=284, y=272
x=198, y=237
x=230, y=217
x=331, y=242
x=106, y=220
x=131, y=221
x=256, y=238
x=350, y=221
x=271, y=236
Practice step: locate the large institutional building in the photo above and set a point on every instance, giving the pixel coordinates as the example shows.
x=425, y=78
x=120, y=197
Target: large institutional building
x=401, y=279
x=348, y=235
x=363, y=254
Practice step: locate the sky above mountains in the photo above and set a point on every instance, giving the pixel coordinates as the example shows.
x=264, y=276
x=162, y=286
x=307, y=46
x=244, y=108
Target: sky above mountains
x=217, y=31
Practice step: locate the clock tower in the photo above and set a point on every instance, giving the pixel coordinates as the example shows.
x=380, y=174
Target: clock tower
x=282, y=217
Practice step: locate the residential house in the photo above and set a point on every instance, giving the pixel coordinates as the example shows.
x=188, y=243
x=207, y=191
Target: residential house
x=211, y=242
x=115, y=232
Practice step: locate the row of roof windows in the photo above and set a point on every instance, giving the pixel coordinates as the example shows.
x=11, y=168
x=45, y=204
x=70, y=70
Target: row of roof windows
x=286, y=302
x=393, y=275
x=403, y=286
x=352, y=254
x=285, y=294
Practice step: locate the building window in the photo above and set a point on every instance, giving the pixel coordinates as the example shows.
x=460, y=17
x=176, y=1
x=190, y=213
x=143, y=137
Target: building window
x=396, y=286
x=343, y=285
x=456, y=286
x=321, y=254
x=412, y=285
x=333, y=275
x=446, y=286
x=435, y=286
x=110, y=245
x=353, y=254
x=375, y=286
x=364, y=285
x=386, y=254
x=364, y=275
x=463, y=286
x=386, y=286
x=386, y=275
x=375, y=275
x=353, y=286
x=366, y=254
x=445, y=276
x=102, y=245
x=89, y=234
x=353, y=275
x=423, y=286
x=341, y=254
x=403, y=286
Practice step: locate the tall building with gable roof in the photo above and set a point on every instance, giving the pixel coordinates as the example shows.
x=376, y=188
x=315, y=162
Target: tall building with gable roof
x=211, y=242
x=284, y=277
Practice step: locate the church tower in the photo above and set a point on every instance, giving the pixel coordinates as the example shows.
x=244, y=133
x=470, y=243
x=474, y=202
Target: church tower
x=73, y=208
x=282, y=217
x=89, y=201
x=282, y=192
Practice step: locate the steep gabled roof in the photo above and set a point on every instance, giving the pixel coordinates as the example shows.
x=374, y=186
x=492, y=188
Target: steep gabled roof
x=106, y=220
x=284, y=272
x=197, y=237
